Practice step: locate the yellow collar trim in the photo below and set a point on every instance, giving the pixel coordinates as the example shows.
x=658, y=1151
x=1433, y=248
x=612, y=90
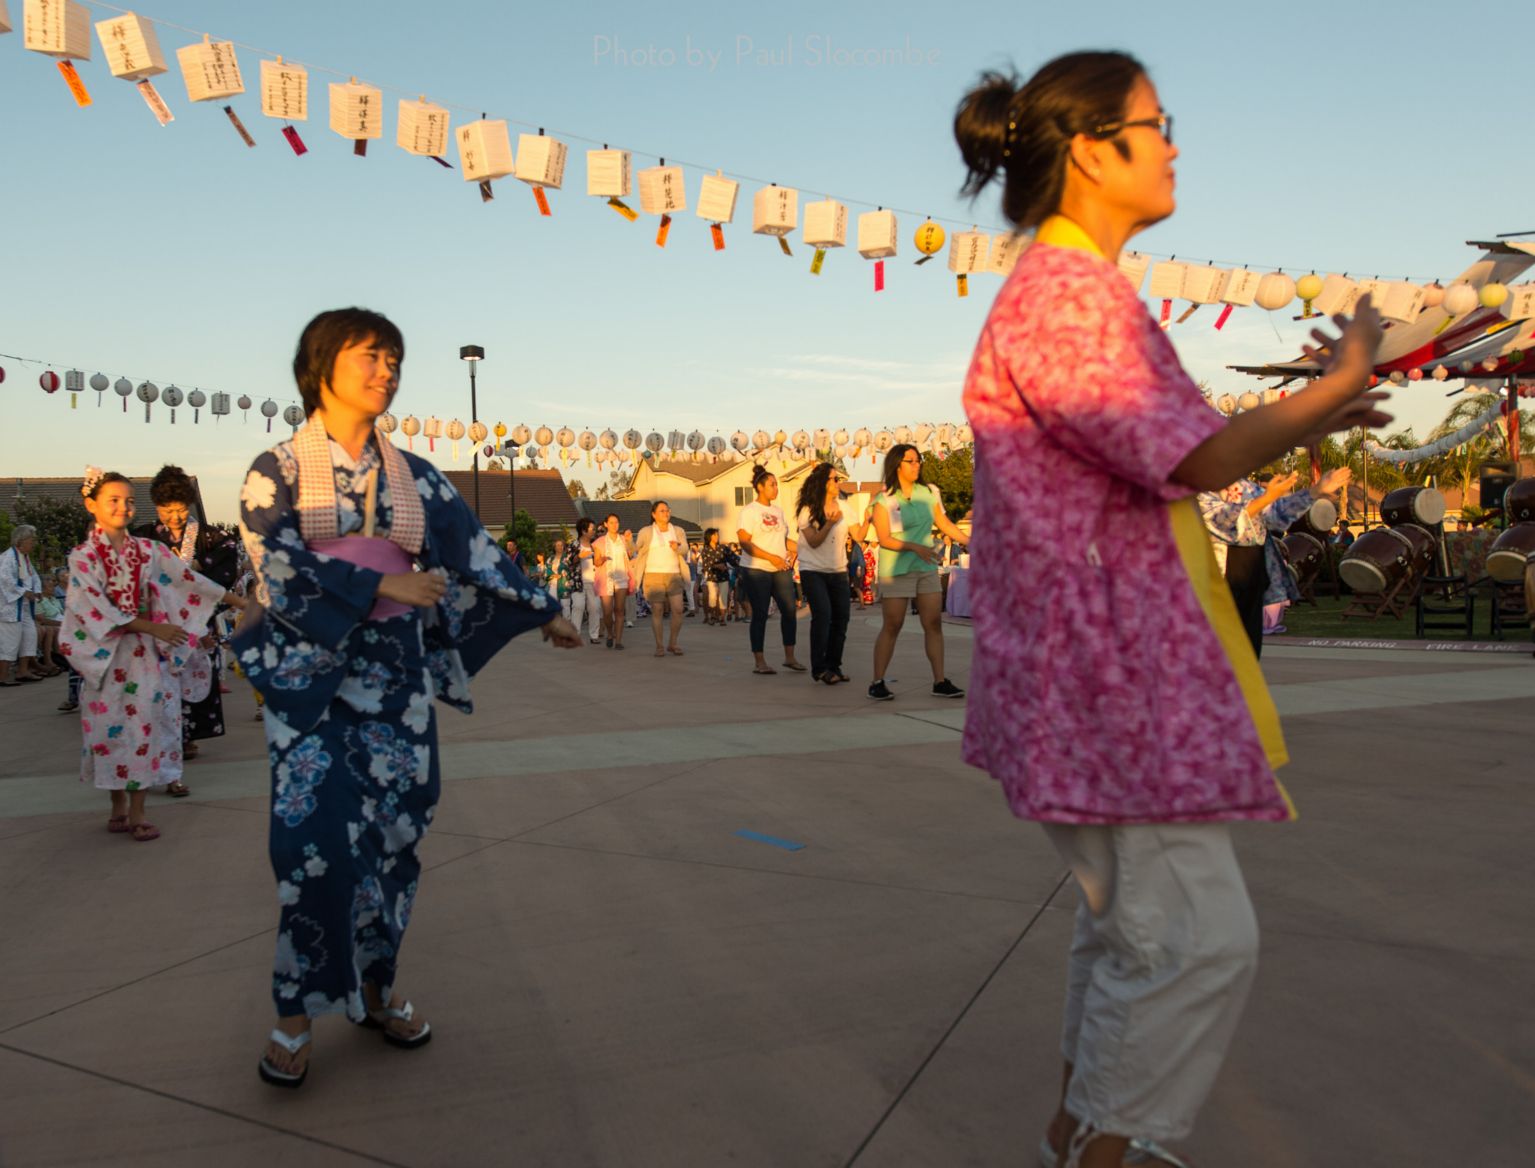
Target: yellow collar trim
x=1059, y=231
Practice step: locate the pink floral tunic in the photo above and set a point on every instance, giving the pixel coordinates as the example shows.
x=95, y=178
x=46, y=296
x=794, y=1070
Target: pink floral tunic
x=130, y=706
x=1099, y=692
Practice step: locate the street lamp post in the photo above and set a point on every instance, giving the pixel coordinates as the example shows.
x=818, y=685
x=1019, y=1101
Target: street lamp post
x=474, y=354
x=511, y=479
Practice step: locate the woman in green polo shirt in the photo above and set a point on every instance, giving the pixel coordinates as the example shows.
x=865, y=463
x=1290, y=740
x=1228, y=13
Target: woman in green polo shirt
x=905, y=514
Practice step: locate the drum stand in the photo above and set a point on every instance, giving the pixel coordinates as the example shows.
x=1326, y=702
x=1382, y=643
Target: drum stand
x=1393, y=600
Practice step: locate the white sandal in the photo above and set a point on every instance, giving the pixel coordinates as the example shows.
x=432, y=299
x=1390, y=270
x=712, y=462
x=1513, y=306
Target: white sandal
x=1143, y=1153
x=379, y=1020
x=281, y=1078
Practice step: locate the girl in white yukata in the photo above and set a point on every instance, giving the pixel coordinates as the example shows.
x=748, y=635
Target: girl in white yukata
x=133, y=618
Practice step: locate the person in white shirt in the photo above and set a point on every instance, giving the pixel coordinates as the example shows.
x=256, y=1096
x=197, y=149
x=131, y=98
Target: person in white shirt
x=582, y=580
x=767, y=561
x=613, y=554
x=20, y=590
x=823, y=531
x=662, y=554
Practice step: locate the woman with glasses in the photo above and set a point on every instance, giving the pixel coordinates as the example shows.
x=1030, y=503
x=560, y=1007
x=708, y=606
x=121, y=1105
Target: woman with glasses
x=1104, y=635
x=823, y=537
x=904, y=516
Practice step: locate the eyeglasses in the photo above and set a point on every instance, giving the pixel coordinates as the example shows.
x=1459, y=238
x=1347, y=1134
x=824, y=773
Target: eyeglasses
x=1162, y=123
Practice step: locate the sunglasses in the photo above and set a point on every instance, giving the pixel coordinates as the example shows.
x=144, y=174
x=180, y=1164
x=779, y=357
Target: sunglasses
x=1162, y=123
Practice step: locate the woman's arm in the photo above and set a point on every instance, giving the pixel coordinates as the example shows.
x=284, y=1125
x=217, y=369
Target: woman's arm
x=888, y=541
x=944, y=524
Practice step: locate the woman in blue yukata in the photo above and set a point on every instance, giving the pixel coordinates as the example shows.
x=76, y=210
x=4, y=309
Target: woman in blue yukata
x=378, y=590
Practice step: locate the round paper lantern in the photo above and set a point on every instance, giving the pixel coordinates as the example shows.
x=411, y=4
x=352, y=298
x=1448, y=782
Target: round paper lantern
x=862, y=437
x=587, y=441
x=676, y=440
x=1396, y=377
x=1440, y=373
x=739, y=441
x=1433, y=295
x=608, y=439
x=716, y=446
x=49, y=381
x=1490, y=364
x=1466, y=366
x=632, y=439
x=123, y=388
x=477, y=432
x=521, y=434
x=1460, y=299
x=455, y=430
x=822, y=438
x=883, y=441
x=929, y=238
x=761, y=441
x=148, y=391
x=840, y=438
x=1226, y=404
x=1415, y=374
x=269, y=408
x=654, y=442
x=903, y=434
x=565, y=437
x=696, y=441
x=1309, y=287
x=197, y=399
x=1493, y=295
x=294, y=416
x=244, y=402
x=800, y=439
x=964, y=435
x=499, y=430
x=2, y=378
x=1249, y=401
x=99, y=382
x=1275, y=290
x=1270, y=396
x=387, y=422
x=172, y=396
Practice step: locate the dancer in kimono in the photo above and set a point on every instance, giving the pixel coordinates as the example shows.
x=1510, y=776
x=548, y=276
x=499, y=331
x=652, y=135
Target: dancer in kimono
x=177, y=527
x=1104, y=634
x=133, y=618
x=378, y=590
x=20, y=590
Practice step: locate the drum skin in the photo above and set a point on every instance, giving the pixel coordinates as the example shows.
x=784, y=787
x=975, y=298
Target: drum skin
x=1510, y=553
x=1421, y=505
x=1304, y=553
x=1519, y=501
x=1318, y=521
x=1380, y=559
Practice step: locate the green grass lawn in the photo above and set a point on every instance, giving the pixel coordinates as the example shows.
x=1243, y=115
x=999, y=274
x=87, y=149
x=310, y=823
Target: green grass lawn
x=1325, y=619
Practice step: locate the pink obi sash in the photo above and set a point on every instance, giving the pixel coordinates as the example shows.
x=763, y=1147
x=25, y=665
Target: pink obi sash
x=381, y=555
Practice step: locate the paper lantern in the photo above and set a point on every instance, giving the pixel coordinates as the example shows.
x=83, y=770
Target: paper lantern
x=1489, y=364
x=1433, y=295
x=74, y=381
x=284, y=91
x=676, y=441
x=1415, y=374
x=1004, y=250
x=826, y=223
x=840, y=438
x=654, y=442
x=57, y=28
x=99, y=382
x=1308, y=288
x=1396, y=377
x=477, y=432
x=944, y=433
x=1226, y=404
x=902, y=435
x=130, y=46
x=410, y=427
x=422, y=128
x=1240, y=287
x=608, y=173
x=821, y=438
x=717, y=198
x=608, y=439
x=197, y=399
x=268, y=411
x=123, y=388
x=862, y=437
x=387, y=422
x=877, y=234
x=1466, y=366
x=800, y=440
x=1275, y=290
x=929, y=239
x=455, y=431
x=49, y=381
x=587, y=440
x=484, y=150
x=1459, y=299
x=716, y=446
x=171, y=396
x=662, y=190
x=775, y=211
x=499, y=430
x=431, y=430
x=967, y=253
x=541, y=160
x=218, y=405
x=211, y=72
x=294, y=416
x=739, y=441
x=1440, y=373
x=883, y=441
x=565, y=437
x=1493, y=295
x=632, y=439
x=1249, y=401
x=922, y=433
x=356, y=111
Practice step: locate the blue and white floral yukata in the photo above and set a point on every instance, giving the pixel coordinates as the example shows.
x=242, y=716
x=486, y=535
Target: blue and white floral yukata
x=348, y=680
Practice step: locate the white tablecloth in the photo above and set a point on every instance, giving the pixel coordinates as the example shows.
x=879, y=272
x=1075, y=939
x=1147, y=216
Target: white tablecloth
x=958, y=603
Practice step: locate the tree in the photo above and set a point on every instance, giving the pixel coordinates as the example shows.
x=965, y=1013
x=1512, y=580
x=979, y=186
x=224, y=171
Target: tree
x=524, y=529
x=954, y=477
x=60, y=526
x=576, y=488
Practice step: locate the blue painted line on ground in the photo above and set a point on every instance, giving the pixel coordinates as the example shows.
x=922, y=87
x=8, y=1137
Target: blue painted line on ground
x=786, y=845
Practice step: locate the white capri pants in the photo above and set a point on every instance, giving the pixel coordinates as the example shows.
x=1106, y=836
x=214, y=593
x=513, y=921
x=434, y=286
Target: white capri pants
x=1163, y=954
x=588, y=604
x=18, y=639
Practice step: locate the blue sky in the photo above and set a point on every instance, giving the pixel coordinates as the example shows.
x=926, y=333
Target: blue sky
x=1368, y=138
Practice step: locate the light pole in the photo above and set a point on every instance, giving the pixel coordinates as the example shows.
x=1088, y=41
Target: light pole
x=474, y=354
x=511, y=479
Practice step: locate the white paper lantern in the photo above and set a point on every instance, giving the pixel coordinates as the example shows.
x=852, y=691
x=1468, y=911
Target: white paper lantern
x=211, y=70
x=387, y=422
x=800, y=440
x=543, y=436
x=484, y=150
x=608, y=439
x=775, y=211
x=478, y=432
x=587, y=441
x=1275, y=290
x=821, y=438
x=455, y=430
x=130, y=46
x=862, y=436
x=565, y=437
x=147, y=392
x=883, y=441
x=632, y=439
x=826, y=223
x=422, y=128
x=284, y=91
x=294, y=416
x=1006, y=247
x=662, y=190
x=269, y=408
x=1433, y=295
x=877, y=234
x=695, y=441
x=654, y=442
x=244, y=401
x=608, y=173
x=717, y=198
x=196, y=398
x=1226, y=404
x=761, y=440
x=219, y=405
x=356, y=110
x=521, y=434
x=172, y=396
x=1249, y=401
x=676, y=441
x=57, y=28
x=541, y=160
x=716, y=446
x=967, y=251
x=739, y=441
x=1459, y=299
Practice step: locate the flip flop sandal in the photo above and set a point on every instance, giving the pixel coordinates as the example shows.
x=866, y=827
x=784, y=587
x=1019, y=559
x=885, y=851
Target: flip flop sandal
x=765, y=669
x=178, y=790
x=144, y=832
x=117, y=824
x=380, y=1019
x=794, y=665
x=674, y=651
x=281, y=1078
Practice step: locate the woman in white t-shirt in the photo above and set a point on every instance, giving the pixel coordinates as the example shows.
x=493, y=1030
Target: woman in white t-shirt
x=767, y=559
x=662, y=557
x=581, y=579
x=613, y=554
x=823, y=531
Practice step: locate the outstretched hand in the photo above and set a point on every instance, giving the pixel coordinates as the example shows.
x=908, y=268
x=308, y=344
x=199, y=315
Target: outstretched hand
x=562, y=634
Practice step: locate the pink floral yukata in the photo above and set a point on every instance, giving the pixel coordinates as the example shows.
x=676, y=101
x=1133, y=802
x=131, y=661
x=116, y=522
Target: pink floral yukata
x=1097, y=674
x=130, y=706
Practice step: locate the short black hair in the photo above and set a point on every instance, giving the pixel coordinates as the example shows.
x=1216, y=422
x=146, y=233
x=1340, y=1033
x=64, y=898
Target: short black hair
x=326, y=335
x=171, y=484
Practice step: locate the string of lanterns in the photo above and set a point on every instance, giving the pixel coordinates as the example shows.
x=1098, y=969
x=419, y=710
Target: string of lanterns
x=74, y=382
x=1439, y=445
x=211, y=72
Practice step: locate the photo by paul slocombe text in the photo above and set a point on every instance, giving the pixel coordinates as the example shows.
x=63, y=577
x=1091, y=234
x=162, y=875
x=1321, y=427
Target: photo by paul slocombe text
x=812, y=51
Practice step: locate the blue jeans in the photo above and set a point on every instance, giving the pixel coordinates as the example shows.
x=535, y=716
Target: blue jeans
x=760, y=587
x=830, y=605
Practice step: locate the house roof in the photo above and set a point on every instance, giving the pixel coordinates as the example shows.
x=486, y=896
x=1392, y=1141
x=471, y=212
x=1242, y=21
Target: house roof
x=67, y=490
x=541, y=493
x=695, y=472
x=633, y=514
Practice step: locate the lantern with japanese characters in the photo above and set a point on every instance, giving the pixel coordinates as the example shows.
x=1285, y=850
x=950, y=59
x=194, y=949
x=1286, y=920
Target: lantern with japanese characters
x=211, y=70
x=387, y=424
x=422, y=128
x=74, y=382
x=293, y=415
x=540, y=164
x=929, y=239
x=130, y=46
x=284, y=91
x=57, y=28
x=609, y=176
x=484, y=150
x=356, y=113
x=1006, y=247
x=455, y=433
x=717, y=203
x=197, y=399
x=825, y=227
x=218, y=406
x=716, y=447
x=877, y=241
x=967, y=253
x=587, y=442
x=172, y=396
x=268, y=411
x=410, y=426
x=148, y=393
x=775, y=212
x=477, y=432
x=663, y=192
x=431, y=430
